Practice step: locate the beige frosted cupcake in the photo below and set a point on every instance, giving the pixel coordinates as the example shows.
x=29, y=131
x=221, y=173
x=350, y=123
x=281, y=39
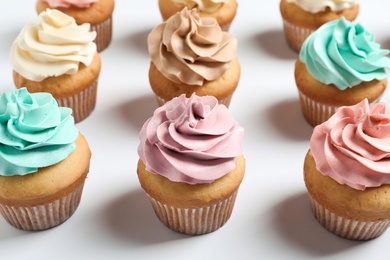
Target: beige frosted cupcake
x=331, y=72
x=223, y=11
x=346, y=171
x=192, y=55
x=44, y=161
x=192, y=169
x=301, y=17
x=98, y=13
x=61, y=59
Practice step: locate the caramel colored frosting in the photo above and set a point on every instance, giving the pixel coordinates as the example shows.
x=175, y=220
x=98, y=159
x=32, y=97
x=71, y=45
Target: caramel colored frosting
x=189, y=49
x=207, y=6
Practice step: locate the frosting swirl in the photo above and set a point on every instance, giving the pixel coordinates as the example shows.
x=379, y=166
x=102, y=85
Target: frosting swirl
x=34, y=132
x=193, y=140
x=69, y=3
x=320, y=5
x=189, y=49
x=207, y=6
x=344, y=54
x=353, y=146
x=53, y=45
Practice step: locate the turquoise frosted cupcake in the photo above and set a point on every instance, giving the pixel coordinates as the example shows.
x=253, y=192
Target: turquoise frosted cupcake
x=340, y=64
x=44, y=161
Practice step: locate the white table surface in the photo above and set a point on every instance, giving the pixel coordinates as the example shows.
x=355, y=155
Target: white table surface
x=271, y=218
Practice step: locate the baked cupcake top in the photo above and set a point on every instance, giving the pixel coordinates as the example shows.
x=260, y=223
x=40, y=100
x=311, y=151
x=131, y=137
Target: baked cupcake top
x=189, y=49
x=207, y=6
x=353, y=146
x=344, y=54
x=321, y=5
x=69, y=3
x=34, y=132
x=52, y=45
x=192, y=140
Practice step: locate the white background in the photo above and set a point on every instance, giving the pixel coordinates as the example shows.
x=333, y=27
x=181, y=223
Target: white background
x=271, y=218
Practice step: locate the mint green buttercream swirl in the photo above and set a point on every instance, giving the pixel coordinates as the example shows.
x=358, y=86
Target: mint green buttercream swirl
x=34, y=132
x=344, y=54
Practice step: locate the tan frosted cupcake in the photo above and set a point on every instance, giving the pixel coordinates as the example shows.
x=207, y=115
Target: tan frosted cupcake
x=192, y=169
x=61, y=60
x=98, y=13
x=331, y=72
x=44, y=161
x=223, y=11
x=346, y=171
x=206, y=64
x=301, y=18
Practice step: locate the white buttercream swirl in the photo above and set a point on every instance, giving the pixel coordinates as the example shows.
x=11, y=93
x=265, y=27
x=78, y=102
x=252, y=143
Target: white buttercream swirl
x=53, y=45
x=320, y=5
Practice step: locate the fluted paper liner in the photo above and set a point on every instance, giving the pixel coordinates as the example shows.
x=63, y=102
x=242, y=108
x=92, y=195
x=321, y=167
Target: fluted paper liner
x=295, y=35
x=315, y=112
x=82, y=103
x=41, y=217
x=347, y=228
x=103, y=34
x=195, y=221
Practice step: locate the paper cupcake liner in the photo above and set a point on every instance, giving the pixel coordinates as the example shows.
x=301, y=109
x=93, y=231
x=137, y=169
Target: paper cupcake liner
x=226, y=27
x=295, y=35
x=226, y=101
x=195, y=221
x=41, y=217
x=347, y=228
x=82, y=103
x=103, y=34
x=315, y=112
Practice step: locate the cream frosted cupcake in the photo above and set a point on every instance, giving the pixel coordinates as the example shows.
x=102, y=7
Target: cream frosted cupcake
x=98, y=13
x=191, y=163
x=44, y=161
x=302, y=17
x=53, y=54
x=192, y=54
x=347, y=171
x=223, y=11
x=340, y=64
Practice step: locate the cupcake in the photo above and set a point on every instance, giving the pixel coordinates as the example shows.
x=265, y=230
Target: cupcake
x=44, y=161
x=340, y=64
x=98, y=13
x=53, y=54
x=302, y=17
x=347, y=171
x=191, y=163
x=223, y=11
x=192, y=54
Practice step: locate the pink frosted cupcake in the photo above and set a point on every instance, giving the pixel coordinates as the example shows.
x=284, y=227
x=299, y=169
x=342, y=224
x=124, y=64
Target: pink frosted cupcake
x=98, y=13
x=53, y=54
x=191, y=164
x=44, y=161
x=347, y=171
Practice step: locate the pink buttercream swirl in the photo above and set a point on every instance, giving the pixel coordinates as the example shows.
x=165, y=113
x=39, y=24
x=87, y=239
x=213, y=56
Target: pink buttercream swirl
x=193, y=140
x=353, y=146
x=69, y=3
